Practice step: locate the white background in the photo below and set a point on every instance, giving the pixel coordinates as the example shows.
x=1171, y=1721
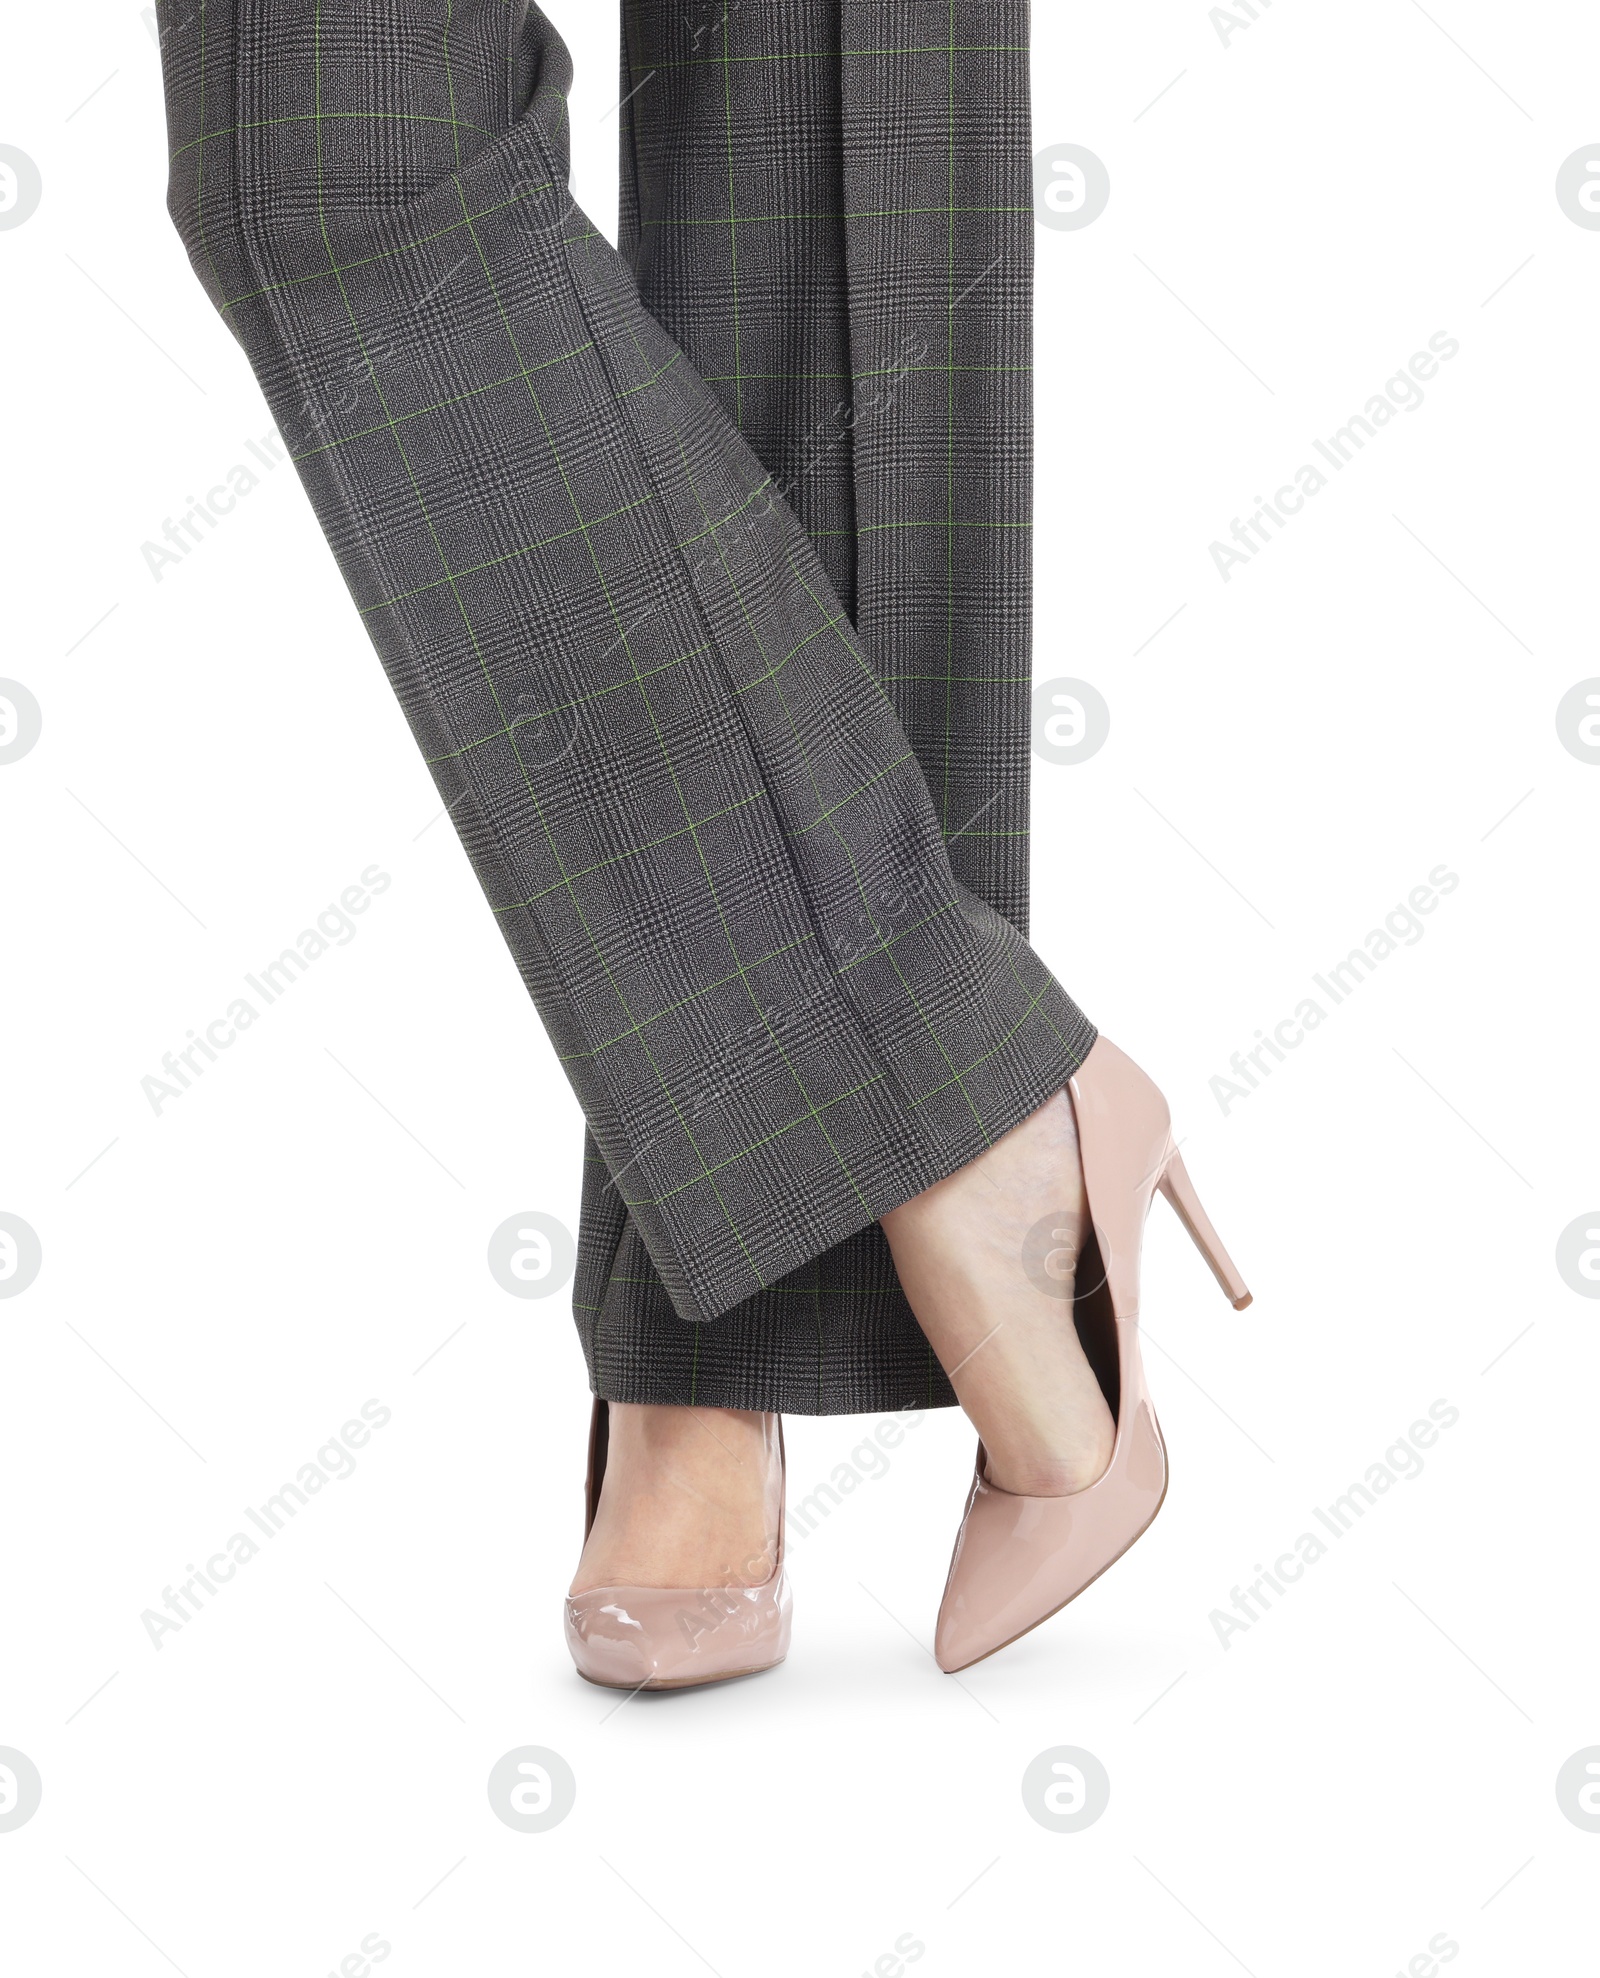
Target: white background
x=1369, y=1765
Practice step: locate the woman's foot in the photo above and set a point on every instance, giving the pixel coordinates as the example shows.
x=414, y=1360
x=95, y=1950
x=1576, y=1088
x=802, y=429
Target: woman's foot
x=685, y=1501
x=986, y=1258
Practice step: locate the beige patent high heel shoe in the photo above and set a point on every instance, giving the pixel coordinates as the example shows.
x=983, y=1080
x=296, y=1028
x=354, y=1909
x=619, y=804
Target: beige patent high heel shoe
x=668, y=1638
x=1017, y=1559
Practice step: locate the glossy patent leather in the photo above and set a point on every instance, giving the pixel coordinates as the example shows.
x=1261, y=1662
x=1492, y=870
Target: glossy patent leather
x=660, y=1638
x=1018, y=1559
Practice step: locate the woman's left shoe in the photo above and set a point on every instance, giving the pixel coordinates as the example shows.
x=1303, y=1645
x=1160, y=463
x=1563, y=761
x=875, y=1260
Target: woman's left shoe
x=670, y=1638
x=1018, y=1559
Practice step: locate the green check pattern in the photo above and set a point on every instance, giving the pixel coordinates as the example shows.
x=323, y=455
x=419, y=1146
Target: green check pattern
x=701, y=573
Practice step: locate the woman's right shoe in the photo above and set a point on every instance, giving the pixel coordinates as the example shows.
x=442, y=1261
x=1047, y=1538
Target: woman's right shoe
x=668, y=1638
x=1019, y=1559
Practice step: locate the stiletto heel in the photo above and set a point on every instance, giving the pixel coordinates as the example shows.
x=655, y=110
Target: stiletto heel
x=670, y=1638
x=1019, y=1559
x=1179, y=1191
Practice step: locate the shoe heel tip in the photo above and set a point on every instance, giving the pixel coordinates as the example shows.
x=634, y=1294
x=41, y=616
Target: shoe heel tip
x=1247, y=1298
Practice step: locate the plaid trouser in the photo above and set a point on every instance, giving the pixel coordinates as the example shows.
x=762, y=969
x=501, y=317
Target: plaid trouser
x=718, y=648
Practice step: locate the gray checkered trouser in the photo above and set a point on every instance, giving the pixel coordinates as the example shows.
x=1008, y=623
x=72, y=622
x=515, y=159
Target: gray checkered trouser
x=718, y=647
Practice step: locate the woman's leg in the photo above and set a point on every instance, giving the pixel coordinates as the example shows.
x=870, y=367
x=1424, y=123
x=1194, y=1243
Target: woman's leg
x=830, y=212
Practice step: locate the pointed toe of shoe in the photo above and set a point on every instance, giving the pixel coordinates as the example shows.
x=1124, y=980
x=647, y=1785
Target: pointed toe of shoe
x=1013, y=1566
x=962, y=1637
x=1018, y=1560
x=675, y=1637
